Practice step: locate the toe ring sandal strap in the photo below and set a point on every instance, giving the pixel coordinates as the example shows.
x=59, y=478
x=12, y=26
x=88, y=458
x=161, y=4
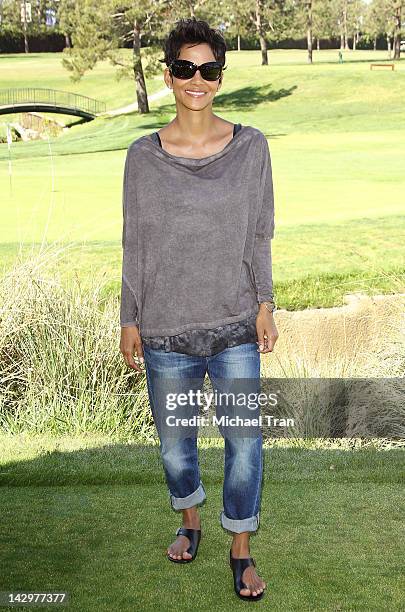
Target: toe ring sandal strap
x=238, y=566
x=194, y=535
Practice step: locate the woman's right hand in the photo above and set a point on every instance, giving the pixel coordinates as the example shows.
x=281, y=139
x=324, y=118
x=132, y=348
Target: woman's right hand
x=130, y=342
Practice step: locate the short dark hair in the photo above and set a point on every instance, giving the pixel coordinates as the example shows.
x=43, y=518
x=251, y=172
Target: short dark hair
x=193, y=31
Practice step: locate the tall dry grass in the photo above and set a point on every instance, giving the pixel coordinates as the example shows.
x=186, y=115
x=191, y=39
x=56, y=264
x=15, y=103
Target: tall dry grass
x=60, y=365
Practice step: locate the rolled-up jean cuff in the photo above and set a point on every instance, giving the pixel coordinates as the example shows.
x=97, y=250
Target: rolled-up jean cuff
x=239, y=525
x=180, y=503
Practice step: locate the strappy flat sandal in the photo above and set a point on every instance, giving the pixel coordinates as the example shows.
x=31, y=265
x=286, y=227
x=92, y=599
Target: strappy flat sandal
x=238, y=566
x=194, y=535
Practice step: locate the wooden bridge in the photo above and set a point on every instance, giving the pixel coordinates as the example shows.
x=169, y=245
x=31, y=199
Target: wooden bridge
x=26, y=99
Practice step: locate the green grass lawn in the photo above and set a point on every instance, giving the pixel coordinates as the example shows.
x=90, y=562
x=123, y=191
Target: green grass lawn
x=92, y=516
x=337, y=141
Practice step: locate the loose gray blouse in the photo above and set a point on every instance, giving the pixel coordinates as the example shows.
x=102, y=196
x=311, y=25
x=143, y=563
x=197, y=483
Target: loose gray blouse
x=197, y=242
x=206, y=342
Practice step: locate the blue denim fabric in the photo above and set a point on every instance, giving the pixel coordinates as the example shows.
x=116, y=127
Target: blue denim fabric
x=243, y=455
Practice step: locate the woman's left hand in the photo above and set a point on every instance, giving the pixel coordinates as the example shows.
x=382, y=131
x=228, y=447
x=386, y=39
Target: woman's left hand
x=267, y=333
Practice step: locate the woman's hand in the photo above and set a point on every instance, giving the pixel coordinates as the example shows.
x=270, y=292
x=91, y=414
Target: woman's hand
x=130, y=341
x=267, y=333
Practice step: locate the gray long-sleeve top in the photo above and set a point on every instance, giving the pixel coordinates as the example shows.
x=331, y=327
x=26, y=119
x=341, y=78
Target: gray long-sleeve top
x=196, y=235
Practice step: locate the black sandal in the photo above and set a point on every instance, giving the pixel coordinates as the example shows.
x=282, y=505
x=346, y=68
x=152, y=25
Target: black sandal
x=194, y=535
x=238, y=566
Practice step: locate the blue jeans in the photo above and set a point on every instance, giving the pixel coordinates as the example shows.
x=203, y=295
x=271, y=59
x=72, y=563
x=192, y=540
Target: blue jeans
x=243, y=455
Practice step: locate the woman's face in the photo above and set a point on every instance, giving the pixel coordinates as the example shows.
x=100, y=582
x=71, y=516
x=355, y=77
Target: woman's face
x=199, y=54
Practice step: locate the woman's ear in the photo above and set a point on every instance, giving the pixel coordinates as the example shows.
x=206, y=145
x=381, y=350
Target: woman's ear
x=168, y=79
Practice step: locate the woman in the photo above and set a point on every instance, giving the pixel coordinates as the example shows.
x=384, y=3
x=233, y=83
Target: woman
x=197, y=293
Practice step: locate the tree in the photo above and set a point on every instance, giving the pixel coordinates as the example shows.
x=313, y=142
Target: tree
x=355, y=20
x=26, y=18
x=66, y=23
x=99, y=30
x=308, y=11
x=256, y=18
x=396, y=7
x=231, y=17
x=377, y=22
x=324, y=23
x=385, y=17
x=16, y=15
x=303, y=19
x=312, y=18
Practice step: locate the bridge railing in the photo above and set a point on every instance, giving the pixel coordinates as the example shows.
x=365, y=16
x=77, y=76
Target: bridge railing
x=53, y=97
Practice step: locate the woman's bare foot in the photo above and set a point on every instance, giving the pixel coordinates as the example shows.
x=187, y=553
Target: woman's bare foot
x=240, y=550
x=178, y=549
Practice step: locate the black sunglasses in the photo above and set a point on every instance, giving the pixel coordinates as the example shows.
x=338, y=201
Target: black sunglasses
x=183, y=69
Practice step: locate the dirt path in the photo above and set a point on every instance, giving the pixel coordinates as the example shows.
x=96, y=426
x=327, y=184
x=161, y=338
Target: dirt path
x=130, y=108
